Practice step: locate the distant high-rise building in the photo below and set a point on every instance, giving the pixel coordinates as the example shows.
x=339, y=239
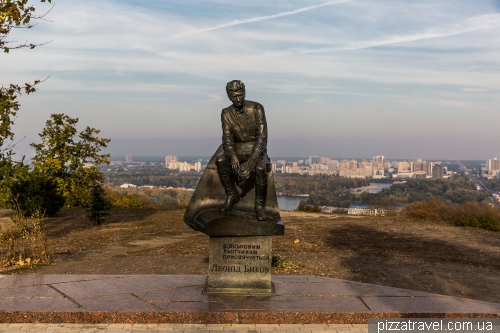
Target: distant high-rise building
x=378, y=165
x=437, y=171
x=333, y=164
x=350, y=168
x=128, y=158
x=353, y=164
x=430, y=165
x=324, y=160
x=184, y=167
x=169, y=160
x=418, y=165
x=313, y=160
x=493, y=166
x=403, y=167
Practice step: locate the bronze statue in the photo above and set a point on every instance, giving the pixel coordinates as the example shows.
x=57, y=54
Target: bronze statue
x=217, y=208
x=244, y=140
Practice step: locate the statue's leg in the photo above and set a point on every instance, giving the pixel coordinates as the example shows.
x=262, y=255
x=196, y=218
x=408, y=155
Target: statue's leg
x=260, y=190
x=228, y=182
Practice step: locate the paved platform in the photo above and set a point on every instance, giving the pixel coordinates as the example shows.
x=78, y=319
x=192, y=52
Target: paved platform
x=157, y=299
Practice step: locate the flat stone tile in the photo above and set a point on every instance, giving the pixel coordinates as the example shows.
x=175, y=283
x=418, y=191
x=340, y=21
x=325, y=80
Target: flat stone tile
x=38, y=304
x=122, y=303
x=320, y=279
x=341, y=289
x=390, y=291
x=189, y=294
x=315, y=289
x=296, y=304
x=82, y=289
x=429, y=305
x=164, y=295
x=161, y=305
x=421, y=293
x=239, y=303
x=154, y=282
x=29, y=292
x=277, y=279
x=295, y=279
x=9, y=281
x=366, y=289
x=188, y=306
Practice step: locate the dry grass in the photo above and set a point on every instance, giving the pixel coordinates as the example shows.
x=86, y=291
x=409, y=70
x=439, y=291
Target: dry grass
x=23, y=241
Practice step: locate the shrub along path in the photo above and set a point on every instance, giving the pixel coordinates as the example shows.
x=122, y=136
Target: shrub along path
x=424, y=256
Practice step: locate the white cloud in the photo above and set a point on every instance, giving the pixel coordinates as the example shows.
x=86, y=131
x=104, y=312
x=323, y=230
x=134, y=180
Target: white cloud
x=457, y=104
x=214, y=98
x=473, y=90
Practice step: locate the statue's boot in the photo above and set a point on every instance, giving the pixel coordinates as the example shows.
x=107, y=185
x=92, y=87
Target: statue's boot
x=233, y=196
x=260, y=202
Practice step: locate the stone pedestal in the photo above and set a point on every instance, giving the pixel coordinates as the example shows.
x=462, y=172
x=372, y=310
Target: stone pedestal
x=240, y=265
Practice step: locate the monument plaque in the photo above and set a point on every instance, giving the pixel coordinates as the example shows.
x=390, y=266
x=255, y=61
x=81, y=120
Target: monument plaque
x=235, y=201
x=240, y=265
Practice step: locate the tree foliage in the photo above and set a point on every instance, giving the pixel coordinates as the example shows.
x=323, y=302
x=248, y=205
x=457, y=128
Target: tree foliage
x=99, y=205
x=35, y=196
x=73, y=159
x=492, y=184
x=148, y=198
x=156, y=176
x=459, y=189
x=16, y=14
x=13, y=14
x=467, y=214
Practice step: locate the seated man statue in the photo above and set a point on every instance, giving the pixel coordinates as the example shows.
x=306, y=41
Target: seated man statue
x=244, y=159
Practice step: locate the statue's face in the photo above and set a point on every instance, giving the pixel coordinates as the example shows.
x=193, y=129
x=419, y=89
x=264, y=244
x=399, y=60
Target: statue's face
x=237, y=97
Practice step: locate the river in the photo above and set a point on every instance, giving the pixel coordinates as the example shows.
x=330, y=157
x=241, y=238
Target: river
x=372, y=188
x=289, y=203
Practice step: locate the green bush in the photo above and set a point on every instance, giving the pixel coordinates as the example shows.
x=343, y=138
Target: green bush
x=309, y=209
x=484, y=221
x=467, y=214
x=35, y=195
x=282, y=262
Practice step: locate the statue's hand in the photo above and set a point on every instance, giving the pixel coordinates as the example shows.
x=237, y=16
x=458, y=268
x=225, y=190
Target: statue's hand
x=235, y=164
x=251, y=162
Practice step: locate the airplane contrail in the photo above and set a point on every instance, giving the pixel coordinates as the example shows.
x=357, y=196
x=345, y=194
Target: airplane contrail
x=260, y=18
x=471, y=24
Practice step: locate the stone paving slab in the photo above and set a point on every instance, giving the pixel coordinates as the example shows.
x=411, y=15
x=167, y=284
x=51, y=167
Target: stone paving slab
x=145, y=299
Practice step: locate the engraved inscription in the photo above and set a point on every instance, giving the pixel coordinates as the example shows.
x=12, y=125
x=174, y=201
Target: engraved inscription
x=237, y=269
x=242, y=252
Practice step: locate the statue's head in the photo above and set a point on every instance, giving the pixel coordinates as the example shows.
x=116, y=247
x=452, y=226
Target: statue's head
x=236, y=93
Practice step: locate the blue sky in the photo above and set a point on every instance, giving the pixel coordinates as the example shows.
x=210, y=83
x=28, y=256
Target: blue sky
x=345, y=78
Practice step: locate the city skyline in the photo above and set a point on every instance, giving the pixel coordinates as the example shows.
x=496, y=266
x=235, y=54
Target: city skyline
x=337, y=78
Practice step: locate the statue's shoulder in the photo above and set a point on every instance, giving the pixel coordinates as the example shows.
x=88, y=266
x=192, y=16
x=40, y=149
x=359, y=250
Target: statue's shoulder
x=228, y=109
x=253, y=105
